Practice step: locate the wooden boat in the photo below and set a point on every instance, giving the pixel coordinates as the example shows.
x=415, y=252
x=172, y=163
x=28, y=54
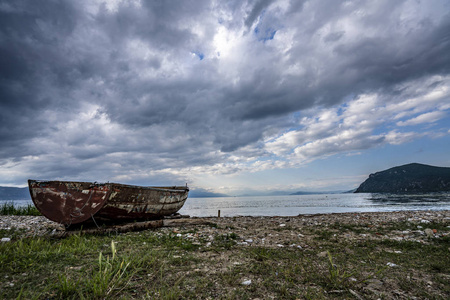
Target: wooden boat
x=69, y=202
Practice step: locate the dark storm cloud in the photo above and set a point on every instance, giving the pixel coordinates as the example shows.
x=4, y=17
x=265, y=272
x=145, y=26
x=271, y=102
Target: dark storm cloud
x=30, y=60
x=96, y=87
x=256, y=10
x=156, y=22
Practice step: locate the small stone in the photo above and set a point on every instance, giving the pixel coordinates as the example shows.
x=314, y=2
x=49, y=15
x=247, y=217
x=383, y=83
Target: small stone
x=281, y=246
x=389, y=264
x=247, y=282
x=429, y=232
x=282, y=225
x=249, y=241
x=323, y=254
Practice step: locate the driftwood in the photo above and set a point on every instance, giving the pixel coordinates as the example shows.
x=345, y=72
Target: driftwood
x=136, y=226
x=184, y=222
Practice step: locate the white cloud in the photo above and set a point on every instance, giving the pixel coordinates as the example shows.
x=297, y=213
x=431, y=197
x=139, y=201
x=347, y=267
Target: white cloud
x=429, y=117
x=351, y=127
x=396, y=138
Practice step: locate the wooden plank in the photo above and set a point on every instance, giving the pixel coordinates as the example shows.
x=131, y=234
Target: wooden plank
x=138, y=226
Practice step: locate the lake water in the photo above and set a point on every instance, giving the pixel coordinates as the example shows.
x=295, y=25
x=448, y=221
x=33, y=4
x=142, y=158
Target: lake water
x=306, y=204
x=313, y=204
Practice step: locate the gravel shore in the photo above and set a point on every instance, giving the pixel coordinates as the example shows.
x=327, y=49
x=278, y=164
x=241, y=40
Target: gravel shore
x=298, y=231
x=267, y=230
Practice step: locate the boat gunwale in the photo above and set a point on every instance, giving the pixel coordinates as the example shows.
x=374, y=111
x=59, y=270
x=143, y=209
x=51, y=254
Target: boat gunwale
x=172, y=189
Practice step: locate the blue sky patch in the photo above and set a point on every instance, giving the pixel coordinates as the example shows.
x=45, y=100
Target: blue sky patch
x=200, y=55
x=265, y=35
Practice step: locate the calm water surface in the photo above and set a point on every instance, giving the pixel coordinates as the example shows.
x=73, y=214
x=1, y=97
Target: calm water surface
x=313, y=204
x=306, y=204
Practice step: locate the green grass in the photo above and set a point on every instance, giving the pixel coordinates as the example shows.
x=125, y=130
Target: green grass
x=225, y=241
x=159, y=264
x=8, y=208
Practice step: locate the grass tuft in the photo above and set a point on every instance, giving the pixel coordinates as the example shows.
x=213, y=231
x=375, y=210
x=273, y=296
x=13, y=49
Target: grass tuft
x=8, y=208
x=337, y=277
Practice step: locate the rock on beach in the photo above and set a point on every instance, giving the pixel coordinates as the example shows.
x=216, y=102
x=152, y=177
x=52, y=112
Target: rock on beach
x=28, y=226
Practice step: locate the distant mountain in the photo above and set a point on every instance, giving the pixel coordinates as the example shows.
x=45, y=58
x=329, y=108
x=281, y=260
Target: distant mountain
x=14, y=193
x=318, y=193
x=278, y=193
x=410, y=178
x=307, y=193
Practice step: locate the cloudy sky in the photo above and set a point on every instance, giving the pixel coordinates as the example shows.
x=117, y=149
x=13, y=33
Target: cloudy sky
x=227, y=96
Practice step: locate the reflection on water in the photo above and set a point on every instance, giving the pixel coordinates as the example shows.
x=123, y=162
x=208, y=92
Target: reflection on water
x=414, y=199
x=293, y=205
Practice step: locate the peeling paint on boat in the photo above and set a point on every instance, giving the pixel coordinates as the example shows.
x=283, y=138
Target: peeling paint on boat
x=76, y=202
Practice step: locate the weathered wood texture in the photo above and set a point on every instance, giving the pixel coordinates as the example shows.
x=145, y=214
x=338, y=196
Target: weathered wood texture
x=137, y=226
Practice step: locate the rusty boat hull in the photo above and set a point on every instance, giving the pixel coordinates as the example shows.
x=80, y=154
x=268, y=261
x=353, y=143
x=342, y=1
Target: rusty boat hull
x=70, y=203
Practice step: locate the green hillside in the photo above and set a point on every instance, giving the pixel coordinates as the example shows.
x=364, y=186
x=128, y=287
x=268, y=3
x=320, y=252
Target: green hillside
x=410, y=178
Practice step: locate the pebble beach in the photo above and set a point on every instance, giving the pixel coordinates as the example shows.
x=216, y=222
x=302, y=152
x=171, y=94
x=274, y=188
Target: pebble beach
x=265, y=229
